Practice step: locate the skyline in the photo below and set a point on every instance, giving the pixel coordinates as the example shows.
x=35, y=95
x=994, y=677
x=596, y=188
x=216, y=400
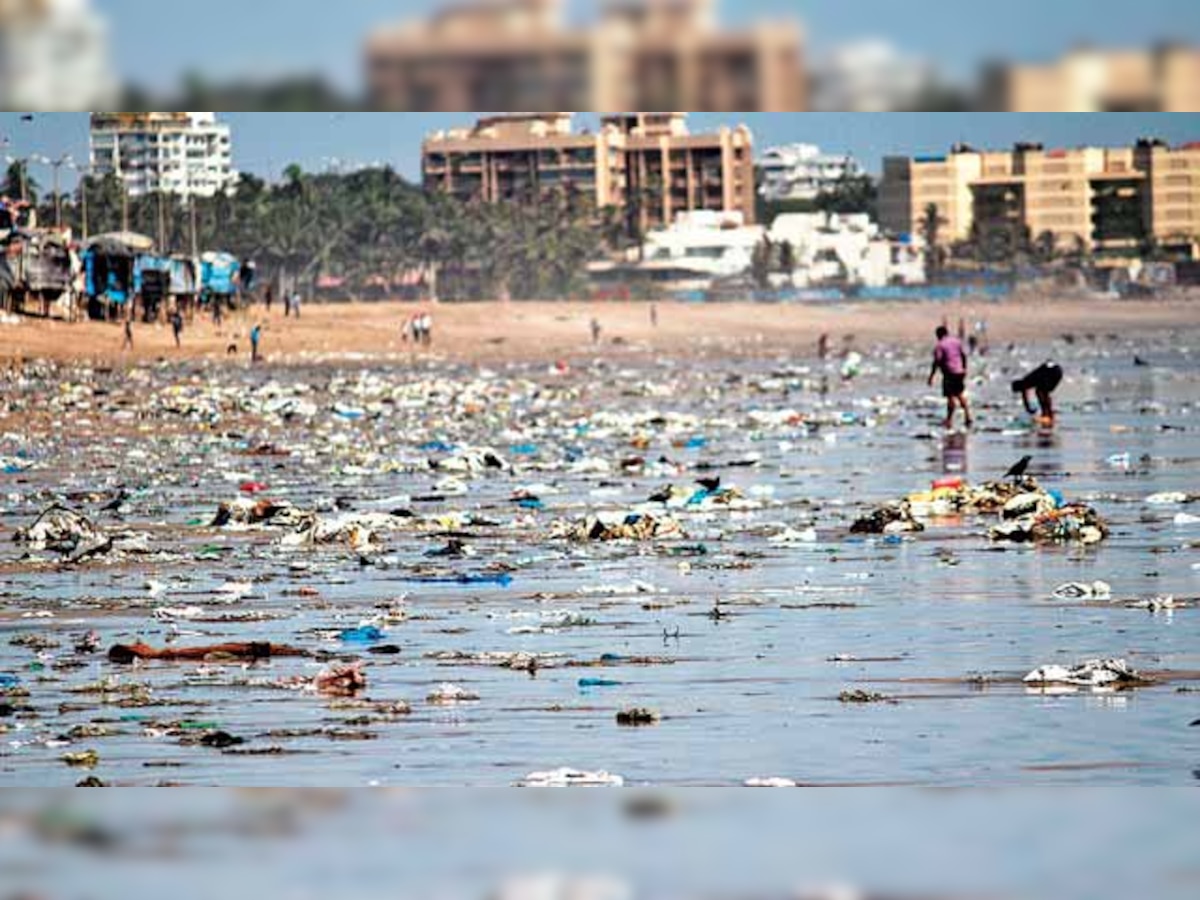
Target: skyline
x=266, y=143
x=276, y=37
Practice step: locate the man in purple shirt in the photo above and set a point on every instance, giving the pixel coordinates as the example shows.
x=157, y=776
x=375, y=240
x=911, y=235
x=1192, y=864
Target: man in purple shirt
x=950, y=359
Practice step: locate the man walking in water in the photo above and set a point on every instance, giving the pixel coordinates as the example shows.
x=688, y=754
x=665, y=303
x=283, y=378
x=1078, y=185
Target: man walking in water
x=1042, y=381
x=950, y=359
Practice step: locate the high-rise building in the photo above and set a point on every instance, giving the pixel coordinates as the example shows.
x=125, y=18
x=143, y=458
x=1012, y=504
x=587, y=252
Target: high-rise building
x=189, y=154
x=1112, y=202
x=639, y=54
x=647, y=164
x=54, y=56
x=802, y=172
x=1166, y=79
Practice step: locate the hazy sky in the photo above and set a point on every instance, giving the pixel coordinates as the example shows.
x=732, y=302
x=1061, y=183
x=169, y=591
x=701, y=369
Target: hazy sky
x=156, y=40
x=264, y=143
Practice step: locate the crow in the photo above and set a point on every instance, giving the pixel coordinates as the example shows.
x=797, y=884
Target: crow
x=1138, y=361
x=1019, y=468
x=712, y=485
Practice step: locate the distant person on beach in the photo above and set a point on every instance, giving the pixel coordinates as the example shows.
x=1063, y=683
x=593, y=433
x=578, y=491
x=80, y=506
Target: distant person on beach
x=427, y=329
x=269, y=297
x=823, y=346
x=1042, y=382
x=596, y=331
x=216, y=311
x=296, y=304
x=653, y=315
x=950, y=359
x=255, y=337
x=177, y=326
x=127, y=343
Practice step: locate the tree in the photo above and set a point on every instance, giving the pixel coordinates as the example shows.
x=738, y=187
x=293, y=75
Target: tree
x=935, y=253
x=787, y=258
x=18, y=183
x=761, y=263
x=850, y=194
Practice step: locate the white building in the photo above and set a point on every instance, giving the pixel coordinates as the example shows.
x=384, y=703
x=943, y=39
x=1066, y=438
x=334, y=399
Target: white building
x=870, y=76
x=54, y=56
x=845, y=249
x=189, y=154
x=703, y=246
x=802, y=172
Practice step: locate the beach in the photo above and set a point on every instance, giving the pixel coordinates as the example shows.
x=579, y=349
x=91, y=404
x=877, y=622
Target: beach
x=362, y=564
x=480, y=332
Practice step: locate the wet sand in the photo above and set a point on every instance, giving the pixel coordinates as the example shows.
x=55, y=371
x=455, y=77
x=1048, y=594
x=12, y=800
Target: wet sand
x=742, y=643
x=545, y=332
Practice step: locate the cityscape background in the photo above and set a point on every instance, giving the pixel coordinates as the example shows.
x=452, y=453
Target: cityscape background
x=265, y=144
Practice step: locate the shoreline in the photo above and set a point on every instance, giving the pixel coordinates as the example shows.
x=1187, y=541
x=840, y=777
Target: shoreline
x=545, y=331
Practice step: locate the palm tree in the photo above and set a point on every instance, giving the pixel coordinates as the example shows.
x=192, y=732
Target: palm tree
x=931, y=225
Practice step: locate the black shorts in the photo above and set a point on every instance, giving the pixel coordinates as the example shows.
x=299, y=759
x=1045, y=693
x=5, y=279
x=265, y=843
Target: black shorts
x=953, y=385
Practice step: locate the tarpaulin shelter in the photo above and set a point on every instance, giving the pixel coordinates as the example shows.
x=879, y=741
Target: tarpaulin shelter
x=112, y=277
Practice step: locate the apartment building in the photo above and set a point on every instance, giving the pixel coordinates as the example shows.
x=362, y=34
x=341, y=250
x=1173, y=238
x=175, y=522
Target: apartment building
x=1112, y=202
x=189, y=154
x=647, y=164
x=802, y=172
x=638, y=54
x=54, y=55
x=1166, y=79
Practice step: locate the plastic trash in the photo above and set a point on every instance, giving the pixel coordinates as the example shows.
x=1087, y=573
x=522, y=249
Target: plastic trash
x=1091, y=673
x=566, y=777
x=1077, y=590
x=599, y=683
x=367, y=634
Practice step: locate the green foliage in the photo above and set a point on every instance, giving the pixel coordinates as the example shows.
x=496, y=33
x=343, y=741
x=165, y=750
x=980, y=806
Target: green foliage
x=372, y=224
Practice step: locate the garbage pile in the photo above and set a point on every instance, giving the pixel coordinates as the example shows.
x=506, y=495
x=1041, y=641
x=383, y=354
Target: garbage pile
x=75, y=538
x=639, y=527
x=1028, y=512
x=1110, y=673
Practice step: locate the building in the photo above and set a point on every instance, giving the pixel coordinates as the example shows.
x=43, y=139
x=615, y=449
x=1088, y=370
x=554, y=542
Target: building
x=1166, y=79
x=802, y=172
x=830, y=249
x=639, y=54
x=189, y=154
x=1113, y=203
x=871, y=76
x=54, y=56
x=647, y=165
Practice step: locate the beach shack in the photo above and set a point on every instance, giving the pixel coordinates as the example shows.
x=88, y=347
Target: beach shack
x=219, y=278
x=39, y=266
x=112, y=277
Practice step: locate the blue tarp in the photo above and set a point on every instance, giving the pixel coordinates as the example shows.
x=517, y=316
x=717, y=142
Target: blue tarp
x=218, y=274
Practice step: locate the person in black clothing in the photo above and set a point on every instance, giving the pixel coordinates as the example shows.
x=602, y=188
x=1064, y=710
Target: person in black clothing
x=177, y=326
x=1041, y=382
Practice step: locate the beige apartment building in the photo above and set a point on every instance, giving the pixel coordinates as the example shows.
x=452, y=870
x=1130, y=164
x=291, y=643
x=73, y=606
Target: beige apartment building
x=1166, y=79
x=1111, y=202
x=639, y=54
x=646, y=164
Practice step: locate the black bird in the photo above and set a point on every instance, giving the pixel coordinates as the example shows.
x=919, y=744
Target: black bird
x=1019, y=468
x=1138, y=361
x=712, y=485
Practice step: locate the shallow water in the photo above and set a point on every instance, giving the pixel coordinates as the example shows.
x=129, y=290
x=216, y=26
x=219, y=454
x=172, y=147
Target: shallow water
x=943, y=622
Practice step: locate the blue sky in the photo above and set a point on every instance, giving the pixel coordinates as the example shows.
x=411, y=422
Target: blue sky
x=264, y=143
x=156, y=40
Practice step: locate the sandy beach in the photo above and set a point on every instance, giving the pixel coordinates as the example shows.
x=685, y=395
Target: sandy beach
x=494, y=332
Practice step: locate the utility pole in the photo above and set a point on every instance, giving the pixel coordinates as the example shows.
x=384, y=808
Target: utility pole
x=162, y=224
x=124, y=205
x=195, y=240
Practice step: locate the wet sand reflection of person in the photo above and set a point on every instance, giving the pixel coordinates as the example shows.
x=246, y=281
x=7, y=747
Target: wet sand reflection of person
x=954, y=454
